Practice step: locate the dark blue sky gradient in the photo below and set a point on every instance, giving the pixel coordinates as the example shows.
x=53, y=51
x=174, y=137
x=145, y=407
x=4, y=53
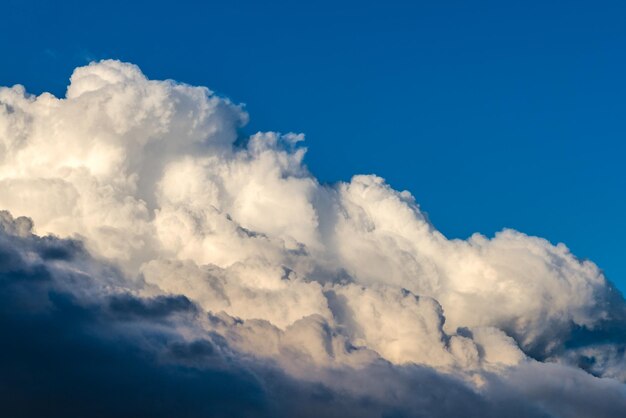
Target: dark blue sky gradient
x=493, y=114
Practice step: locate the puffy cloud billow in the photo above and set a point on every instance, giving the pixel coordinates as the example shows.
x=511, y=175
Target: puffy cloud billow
x=155, y=263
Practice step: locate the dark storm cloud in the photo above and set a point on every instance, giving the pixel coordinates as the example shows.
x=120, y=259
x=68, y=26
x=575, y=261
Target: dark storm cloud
x=126, y=305
x=62, y=356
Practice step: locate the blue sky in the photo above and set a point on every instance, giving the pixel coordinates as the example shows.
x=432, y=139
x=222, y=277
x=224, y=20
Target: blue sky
x=493, y=115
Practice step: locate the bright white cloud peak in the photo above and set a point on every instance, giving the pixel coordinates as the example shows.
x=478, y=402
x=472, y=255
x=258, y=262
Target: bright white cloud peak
x=314, y=277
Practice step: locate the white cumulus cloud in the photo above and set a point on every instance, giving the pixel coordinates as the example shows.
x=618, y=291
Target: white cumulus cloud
x=331, y=283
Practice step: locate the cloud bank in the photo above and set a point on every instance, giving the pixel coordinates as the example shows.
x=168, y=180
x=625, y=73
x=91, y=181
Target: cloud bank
x=153, y=261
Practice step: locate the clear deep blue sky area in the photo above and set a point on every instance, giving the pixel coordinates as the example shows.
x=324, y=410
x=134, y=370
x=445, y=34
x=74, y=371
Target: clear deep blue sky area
x=493, y=114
